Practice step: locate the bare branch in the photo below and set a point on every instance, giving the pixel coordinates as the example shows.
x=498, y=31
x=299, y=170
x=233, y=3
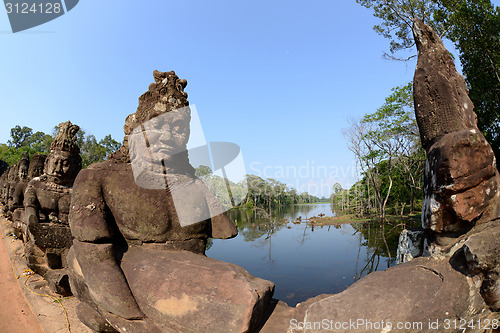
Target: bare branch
x=391, y=57
x=406, y=19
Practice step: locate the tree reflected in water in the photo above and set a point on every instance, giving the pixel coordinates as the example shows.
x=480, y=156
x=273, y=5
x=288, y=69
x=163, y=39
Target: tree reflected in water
x=305, y=257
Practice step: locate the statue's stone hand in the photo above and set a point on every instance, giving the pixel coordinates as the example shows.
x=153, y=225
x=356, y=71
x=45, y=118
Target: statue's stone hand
x=121, y=305
x=132, y=326
x=223, y=227
x=108, y=286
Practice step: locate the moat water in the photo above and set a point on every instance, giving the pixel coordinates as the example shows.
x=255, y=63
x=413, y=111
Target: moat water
x=304, y=260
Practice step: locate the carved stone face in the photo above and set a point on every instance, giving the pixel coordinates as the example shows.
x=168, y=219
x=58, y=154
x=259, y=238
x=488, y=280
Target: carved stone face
x=23, y=171
x=37, y=171
x=161, y=138
x=167, y=138
x=61, y=167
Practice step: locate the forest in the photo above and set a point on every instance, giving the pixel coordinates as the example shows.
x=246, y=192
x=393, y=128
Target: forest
x=24, y=140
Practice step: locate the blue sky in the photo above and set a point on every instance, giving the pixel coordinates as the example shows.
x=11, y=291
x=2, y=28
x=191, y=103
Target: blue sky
x=279, y=78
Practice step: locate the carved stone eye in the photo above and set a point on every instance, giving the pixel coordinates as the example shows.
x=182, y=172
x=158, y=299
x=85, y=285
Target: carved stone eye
x=163, y=91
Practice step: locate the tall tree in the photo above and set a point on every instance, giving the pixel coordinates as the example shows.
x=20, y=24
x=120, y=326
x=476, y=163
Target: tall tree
x=387, y=140
x=93, y=151
x=397, y=117
x=41, y=142
x=203, y=171
x=397, y=20
x=110, y=145
x=20, y=136
x=474, y=27
x=23, y=139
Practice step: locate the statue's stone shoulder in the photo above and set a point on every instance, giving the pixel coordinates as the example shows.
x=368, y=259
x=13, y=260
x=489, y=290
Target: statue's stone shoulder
x=109, y=166
x=97, y=175
x=34, y=184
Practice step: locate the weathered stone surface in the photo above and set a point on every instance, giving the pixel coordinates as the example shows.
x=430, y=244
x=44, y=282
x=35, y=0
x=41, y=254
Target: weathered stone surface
x=164, y=95
x=415, y=292
x=461, y=179
x=180, y=291
x=26, y=170
x=37, y=164
x=12, y=178
x=16, y=205
x=19, y=183
x=58, y=281
x=93, y=319
x=138, y=264
x=3, y=186
x=461, y=207
x=15, y=184
x=460, y=183
x=482, y=253
x=196, y=293
x=51, y=235
x=442, y=103
x=35, y=258
x=277, y=318
x=47, y=201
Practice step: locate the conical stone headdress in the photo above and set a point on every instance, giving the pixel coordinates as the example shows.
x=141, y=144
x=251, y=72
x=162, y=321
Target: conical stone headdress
x=164, y=95
x=66, y=138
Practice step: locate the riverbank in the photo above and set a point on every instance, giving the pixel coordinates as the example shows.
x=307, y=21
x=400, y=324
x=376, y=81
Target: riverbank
x=409, y=220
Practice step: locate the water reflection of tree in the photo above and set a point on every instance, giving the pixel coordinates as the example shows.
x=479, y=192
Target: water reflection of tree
x=258, y=226
x=380, y=239
x=267, y=237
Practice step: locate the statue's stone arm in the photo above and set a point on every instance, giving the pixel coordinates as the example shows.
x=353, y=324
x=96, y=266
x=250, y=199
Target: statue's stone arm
x=95, y=249
x=223, y=227
x=16, y=198
x=107, y=284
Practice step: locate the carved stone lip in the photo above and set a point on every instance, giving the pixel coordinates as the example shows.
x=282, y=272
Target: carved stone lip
x=165, y=149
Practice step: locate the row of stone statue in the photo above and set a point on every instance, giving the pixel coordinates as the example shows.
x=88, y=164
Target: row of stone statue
x=36, y=194
x=127, y=236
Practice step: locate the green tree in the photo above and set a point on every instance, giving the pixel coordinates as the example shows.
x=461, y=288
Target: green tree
x=41, y=142
x=387, y=141
x=12, y=155
x=203, y=171
x=93, y=151
x=397, y=19
x=336, y=196
x=474, y=27
x=110, y=145
x=20, y=136
x=397, y=117
x=23, y=139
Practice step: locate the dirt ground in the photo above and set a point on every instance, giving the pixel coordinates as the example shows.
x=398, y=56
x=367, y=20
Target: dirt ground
x=15, y=313
x=30, y=310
